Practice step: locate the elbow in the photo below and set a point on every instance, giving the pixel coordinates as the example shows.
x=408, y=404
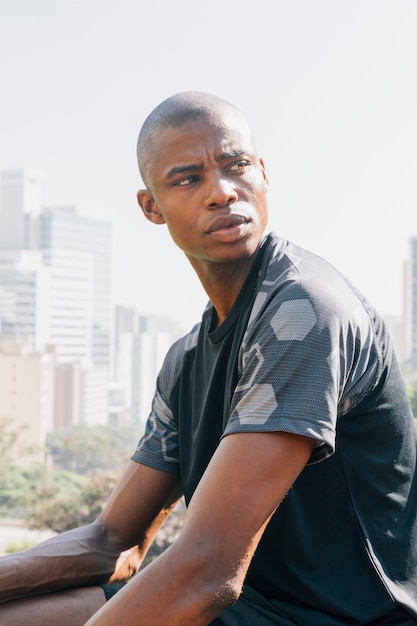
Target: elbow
x=106, y=548
x=208, y=596
x=215, y=595
x=110, y=537
x=223, y=593
x=212, y=584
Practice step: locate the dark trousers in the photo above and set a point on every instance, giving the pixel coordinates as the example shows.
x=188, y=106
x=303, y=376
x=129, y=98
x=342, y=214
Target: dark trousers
x=252, y=609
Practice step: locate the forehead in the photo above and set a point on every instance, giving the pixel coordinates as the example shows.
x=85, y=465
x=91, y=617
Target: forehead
x=200, y=138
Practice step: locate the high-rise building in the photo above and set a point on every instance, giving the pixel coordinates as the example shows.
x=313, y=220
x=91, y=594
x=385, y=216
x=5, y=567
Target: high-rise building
x=149, y=349
x=25, y=289
x=67, y=406
x=70, y=307
x=20, y=204
x=94, y=396
x=61, y=228
x=141, y=343
x=27, y=395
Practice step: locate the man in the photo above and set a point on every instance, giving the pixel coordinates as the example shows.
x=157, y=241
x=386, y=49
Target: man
x=282, y=418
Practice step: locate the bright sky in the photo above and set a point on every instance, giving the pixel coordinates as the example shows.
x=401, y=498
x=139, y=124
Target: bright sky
x=330, y=87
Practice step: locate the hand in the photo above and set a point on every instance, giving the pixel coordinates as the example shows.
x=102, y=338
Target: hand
x=127, y=565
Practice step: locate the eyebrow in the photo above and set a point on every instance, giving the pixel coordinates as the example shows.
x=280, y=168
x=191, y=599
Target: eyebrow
x=232, y=154
x=197, y=167
x=182, y=169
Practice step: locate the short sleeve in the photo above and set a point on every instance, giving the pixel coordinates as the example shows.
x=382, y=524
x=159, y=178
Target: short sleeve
x=159, y=447
x=290, y=372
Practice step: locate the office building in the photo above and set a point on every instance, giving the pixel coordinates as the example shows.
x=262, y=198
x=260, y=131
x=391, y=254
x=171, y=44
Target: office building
x=61, y=228
x=141, y=343
x=25, y=290
x=67, y=401
x=27, y=395
x=70, y=307
x=20, y=204
x=149, y=349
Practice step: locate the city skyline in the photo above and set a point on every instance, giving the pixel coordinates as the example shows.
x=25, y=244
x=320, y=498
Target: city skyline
x=329, y=88
x=59, y=330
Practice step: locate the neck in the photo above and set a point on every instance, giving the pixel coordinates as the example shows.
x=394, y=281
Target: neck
x=222, y=283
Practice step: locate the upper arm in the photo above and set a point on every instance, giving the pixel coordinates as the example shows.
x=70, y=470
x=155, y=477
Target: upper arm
x=138, y=505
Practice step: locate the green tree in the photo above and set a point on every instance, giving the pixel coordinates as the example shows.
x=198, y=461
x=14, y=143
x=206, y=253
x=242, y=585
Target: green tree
x=8, y=438
x=61, y=509
x=84, y=449
x=15, y=488
x=16, y=483
x=61, y=499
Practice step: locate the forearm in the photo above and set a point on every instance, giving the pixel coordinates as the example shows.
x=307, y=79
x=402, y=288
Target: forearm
x=80, y=557
x=174, y=589
x=203, y=572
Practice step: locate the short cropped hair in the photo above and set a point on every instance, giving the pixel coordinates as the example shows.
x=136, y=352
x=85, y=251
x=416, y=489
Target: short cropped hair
x=171, y=113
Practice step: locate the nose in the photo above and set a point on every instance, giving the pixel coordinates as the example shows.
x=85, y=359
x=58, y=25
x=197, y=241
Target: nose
x=220, y=191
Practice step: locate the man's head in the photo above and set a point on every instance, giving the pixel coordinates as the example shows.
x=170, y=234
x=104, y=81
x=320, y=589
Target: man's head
x=203, y=178
x=173, y=113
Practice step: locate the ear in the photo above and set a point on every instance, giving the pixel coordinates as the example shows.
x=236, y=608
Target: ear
x=149, y=207
x=262, y=164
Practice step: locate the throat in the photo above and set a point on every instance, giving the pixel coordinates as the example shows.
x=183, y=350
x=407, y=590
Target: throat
x=223, y=285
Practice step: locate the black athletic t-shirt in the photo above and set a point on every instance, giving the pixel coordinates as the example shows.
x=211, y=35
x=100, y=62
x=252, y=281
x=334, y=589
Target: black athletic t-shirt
x=303, y=352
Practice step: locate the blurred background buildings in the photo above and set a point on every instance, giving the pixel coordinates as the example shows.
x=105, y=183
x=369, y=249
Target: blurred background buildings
x=67, y=354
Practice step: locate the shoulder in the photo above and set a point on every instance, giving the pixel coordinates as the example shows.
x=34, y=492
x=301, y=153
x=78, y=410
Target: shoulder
x=303, y=286
x=306, y=309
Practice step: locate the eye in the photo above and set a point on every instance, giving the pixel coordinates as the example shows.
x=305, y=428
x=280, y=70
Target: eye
x=239, y=167
x=184, y=182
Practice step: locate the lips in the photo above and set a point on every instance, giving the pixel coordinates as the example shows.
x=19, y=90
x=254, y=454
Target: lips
x=227, y=221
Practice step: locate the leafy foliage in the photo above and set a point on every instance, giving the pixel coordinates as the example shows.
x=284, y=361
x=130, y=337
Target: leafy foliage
x=88, y=462
x=15, y=486
x=8, y=438
x=84, y=449
x=15, y=546
x=16, y=482
x=62, y=509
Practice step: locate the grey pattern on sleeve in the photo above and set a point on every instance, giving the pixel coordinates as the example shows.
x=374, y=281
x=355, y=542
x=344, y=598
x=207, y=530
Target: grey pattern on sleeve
x=158, y=448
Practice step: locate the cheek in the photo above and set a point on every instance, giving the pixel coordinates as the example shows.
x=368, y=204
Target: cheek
x=257, y=187
x=181, y=231
x=257, y=197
